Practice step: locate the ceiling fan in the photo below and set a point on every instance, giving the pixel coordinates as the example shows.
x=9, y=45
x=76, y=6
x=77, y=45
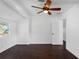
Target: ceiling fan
x=46, y=8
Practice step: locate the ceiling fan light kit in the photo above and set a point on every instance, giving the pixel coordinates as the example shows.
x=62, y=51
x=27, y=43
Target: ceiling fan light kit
x=46, y=8
x=45, y=11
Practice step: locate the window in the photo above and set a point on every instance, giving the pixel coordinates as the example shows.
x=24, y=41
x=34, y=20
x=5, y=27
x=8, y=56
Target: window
x=4, y=28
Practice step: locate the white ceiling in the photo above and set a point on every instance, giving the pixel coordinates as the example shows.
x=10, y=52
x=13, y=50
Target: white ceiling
x=54, y=1
x=65, y=1
x=6, y=13
x=64, y=4
x=25, y=5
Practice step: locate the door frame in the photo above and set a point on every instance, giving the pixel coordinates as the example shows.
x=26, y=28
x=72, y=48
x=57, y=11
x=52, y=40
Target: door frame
x=64, y=32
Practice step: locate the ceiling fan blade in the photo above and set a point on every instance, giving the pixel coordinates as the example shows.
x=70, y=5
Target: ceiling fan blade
x=49, y=13
x=37, y=7
x=39, y=12
x=55, y=9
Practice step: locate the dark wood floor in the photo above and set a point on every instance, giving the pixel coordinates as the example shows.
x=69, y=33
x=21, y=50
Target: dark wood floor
x=36, y=52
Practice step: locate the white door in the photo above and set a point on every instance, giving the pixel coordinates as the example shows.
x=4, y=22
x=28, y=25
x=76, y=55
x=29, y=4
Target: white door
x=57, y=31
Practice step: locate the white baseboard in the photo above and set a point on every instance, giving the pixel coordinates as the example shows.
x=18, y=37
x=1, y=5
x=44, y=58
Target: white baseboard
x=3, y=49
x=40, y=43
x=57, y=44
x=72, y=52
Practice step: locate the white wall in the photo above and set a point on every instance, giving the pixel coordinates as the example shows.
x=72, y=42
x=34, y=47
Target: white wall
x=41, y=30
x=72, y=30
x=10, y=17
x=23, y=32
x=10, y=39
